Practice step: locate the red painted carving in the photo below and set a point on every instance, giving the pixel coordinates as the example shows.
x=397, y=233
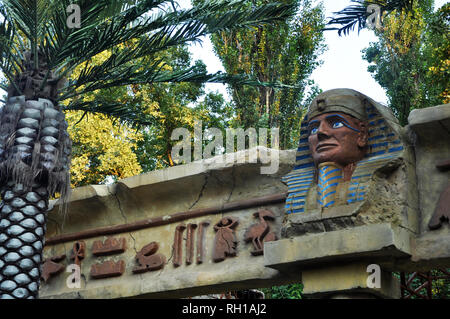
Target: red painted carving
x=260, y=233
x=148, y=260
x=200, y=235
x=107, y=269
x=51, y=267
x=225, y=242
x=78, y=252
x=177, y=245
x=109, y=247
x=190, y=243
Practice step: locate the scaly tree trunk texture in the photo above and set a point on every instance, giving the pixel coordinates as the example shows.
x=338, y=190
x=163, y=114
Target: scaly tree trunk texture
x=23, y=218
x=34, y=159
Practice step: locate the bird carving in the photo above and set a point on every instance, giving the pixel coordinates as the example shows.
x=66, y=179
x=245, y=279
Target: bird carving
x=260, y=233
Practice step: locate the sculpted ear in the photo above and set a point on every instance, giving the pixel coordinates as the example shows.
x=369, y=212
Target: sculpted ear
x=363, y=138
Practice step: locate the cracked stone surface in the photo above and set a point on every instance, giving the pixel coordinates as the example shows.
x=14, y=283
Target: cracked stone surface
x=390, y=198
x=160, y=194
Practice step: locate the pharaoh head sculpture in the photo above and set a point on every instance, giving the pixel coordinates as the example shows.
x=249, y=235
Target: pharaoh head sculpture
x=345, y=138
x=337, y=130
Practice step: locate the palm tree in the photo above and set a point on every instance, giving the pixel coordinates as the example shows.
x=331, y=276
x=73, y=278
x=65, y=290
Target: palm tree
x=357, y=13
x=38, y=51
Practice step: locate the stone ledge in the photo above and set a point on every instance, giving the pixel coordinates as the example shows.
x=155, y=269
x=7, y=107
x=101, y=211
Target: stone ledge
x=431, y=123
x=176, y=189
x=176, y=173
x=376, y=241
x=429, y=114
x=220, y=162
x=177, y=285
x=430, y=251
x=432, y=246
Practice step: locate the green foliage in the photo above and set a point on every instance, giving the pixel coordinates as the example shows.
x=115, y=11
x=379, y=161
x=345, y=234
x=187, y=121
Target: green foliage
x=286, y=52
x=163, y=107
x=174, y=105
x=440, y=284
x=146, y=27
x=410, y=60
x=102, y=151
x=291, y=291
x=356, y=14
x=437, y=54
x=154, y=151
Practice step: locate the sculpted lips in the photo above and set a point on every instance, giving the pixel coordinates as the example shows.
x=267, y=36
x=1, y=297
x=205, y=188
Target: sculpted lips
x=324, y=146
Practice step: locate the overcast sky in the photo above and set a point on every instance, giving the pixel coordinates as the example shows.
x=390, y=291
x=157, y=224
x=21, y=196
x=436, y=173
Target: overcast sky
x=343, y=66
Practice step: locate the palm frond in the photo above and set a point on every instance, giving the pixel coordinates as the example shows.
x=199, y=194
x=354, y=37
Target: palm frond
x=144, y=28
x=356, y=15
x=122, y=111
x=30, y=18
x=104, y=76
x=60, y=36
x=43, y=24
x=10, y=54
x=153, y=74
x=166, y=28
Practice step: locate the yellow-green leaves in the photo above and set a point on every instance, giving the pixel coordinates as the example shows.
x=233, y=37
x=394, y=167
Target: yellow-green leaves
x=102, y=149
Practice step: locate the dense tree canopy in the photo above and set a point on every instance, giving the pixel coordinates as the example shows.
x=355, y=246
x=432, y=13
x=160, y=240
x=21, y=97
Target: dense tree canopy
x=287, y=52
x=410, y=60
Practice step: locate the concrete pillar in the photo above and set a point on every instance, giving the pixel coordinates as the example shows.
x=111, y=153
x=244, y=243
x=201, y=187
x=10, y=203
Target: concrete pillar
x=349, y=281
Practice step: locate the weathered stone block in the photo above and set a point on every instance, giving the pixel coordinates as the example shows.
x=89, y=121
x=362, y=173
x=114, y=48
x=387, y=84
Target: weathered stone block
x=431, y=129
x=148, y=210
x=375, y=242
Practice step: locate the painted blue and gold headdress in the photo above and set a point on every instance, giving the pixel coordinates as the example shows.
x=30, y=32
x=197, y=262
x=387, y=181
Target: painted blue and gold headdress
x=384, y=146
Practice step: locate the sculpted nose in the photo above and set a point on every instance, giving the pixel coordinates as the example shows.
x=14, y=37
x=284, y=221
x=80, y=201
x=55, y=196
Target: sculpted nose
x=323, y=131
x=321, y=136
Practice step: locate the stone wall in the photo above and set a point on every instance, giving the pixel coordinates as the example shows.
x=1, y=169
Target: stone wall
x=430, y=130
x=150, y=208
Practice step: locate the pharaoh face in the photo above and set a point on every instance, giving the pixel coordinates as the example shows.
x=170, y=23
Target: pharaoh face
x=337, y=137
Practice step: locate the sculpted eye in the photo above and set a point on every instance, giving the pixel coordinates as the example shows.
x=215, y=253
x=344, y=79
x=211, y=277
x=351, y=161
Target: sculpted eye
x=313, y=130
x=338, y=124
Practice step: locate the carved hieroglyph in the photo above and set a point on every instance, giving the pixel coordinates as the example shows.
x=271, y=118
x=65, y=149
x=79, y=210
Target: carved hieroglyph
x=178, y=245
x=200, y=240
x=78, y=252
x=52, y=267
x=260, y=233
x=148, y=259
x=110, y=246
x=190, y=243
x=107, y=269
x=225, y=242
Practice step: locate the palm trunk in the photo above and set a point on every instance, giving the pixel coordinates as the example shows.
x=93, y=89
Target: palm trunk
x=23, y=215
x=34, y=164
